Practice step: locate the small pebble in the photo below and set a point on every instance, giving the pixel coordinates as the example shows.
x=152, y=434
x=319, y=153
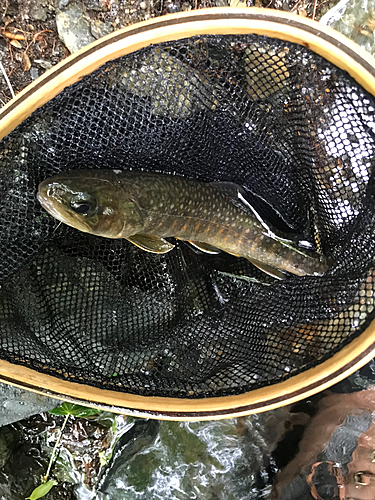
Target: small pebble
x=38, y=13
x=173, y=7
x=43, y=63
x=34, y=73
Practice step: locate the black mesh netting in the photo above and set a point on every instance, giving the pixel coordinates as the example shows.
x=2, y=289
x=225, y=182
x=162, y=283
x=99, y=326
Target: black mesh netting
x=295, y=131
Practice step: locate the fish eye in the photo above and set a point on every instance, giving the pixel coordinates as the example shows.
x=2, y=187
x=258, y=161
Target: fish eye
x=83, y=205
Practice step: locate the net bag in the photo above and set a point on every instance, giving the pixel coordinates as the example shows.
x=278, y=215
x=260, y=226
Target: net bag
x=280, y=105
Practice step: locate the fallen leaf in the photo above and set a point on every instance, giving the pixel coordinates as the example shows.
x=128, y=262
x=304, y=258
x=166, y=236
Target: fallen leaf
x=16, y=43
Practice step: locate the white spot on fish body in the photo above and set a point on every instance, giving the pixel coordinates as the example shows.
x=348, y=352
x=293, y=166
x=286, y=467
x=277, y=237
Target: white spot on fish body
x=107, y=211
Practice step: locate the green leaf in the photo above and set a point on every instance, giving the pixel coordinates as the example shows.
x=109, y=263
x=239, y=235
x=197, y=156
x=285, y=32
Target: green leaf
x=75, y=410
x=41, y=490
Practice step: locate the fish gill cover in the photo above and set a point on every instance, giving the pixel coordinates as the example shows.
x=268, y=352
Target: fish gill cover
x=294, y=131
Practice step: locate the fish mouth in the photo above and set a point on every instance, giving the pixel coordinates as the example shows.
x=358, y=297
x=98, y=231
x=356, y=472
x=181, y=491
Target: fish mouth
x=69, y=219
x=48, y=206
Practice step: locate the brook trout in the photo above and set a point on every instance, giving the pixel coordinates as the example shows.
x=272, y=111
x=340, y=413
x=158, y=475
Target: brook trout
x=145, y=208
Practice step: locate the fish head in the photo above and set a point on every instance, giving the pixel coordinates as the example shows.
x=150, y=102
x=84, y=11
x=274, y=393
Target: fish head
x=91, y=201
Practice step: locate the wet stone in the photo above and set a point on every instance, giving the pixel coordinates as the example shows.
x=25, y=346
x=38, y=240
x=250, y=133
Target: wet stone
x=16, y=404
x=7, y=440
x=100, y=28
x=73, y=28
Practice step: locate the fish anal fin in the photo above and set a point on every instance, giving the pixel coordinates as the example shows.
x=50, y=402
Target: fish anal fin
x=151, y=243
x=266, y=268
x=205, y=247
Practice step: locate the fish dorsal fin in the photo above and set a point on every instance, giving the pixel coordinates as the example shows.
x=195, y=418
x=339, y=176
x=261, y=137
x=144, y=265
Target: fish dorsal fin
x=151, y=243
x=230, y=189
x=237, y=196
x=205, y=247
x=272, y=271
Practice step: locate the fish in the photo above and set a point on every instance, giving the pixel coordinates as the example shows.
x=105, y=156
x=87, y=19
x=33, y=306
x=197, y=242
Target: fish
x=145, y=208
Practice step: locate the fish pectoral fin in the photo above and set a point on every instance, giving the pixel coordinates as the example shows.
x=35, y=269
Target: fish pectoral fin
x=205, y=247
x=151, y=243
x=272, y=271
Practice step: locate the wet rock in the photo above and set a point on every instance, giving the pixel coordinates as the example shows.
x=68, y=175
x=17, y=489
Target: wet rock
x=100, y=28
x=16, y=404
x=73, y=28
x=224, y=459
x=8, y=436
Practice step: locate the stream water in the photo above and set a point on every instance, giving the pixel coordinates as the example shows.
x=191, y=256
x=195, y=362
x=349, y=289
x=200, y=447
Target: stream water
x=322, y=448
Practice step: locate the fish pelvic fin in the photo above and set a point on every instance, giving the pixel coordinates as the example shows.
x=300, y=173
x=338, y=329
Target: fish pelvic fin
x=151, y=243
x=205, y=247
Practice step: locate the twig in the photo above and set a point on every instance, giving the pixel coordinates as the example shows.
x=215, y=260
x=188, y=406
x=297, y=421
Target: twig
x=7, y=79
x=55, y=448
x=314, y=9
